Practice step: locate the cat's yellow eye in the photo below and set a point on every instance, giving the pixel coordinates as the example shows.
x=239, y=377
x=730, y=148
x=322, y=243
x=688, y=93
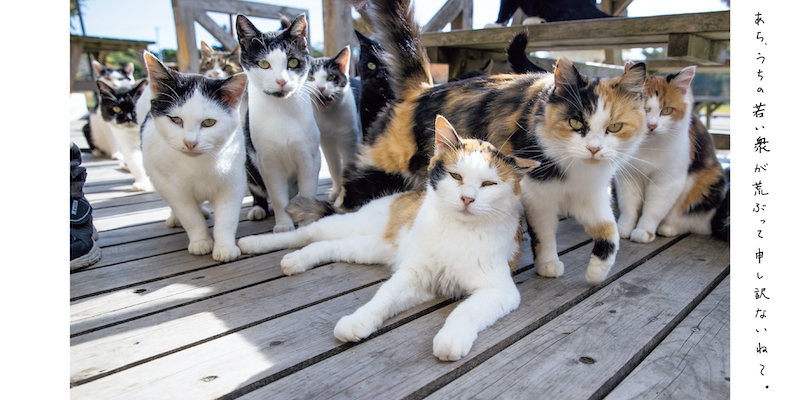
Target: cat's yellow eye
x=666, y=111
x=488, y=183
x=371, y=65
x=209, y=65
x=331, y=77
x=614, y=128
x=227, y=68
x=575, y=124
x=176, y=120
x=116, y=109
x=455, y=176
x=293, y=63
x=264, y=64
x=208, y=122
x=311, y=78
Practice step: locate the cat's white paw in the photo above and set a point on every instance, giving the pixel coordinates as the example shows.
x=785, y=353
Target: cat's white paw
x=201, y=246
x=225, y=252
x=668, y=231
x=352, y=329
x=453, y=344
x=143, y=186
x=333, y=195
x=642, y=236
x=625, y=228
x=257, y=213
x=493, y=25
x=118, y=156
x=249, y=245
x=550, y=269
x=533, y=21
x=598, y=270
x=293, y=263
x=283, y=228
x=173, y=221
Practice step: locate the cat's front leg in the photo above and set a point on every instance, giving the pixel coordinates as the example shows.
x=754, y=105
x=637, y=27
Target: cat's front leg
x=401, y=292
x=661, y=197
x=278, y=190
x=542, y=217
x=226, y=219
x=190, y=215
x=630, y=197
x=360, y=249
x=479, y=311
x=600, y=225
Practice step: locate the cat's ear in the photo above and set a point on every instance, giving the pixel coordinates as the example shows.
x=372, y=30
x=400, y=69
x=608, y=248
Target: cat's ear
x=299, y=28
x=446, y=136
x=628, y=65
x=525, y=164
x=285, y=22
x=342, y=59
x=634, y=78
x=566, y=75
x=361, y=38
x=160, y=75
x=138, y=89
x=245, y=30
x=683, y=79
x=205, y=49
x=233, y=88
x=487, y=68
x=128, y=68
x=105, y=90
x=98, y=68
x=237, y=51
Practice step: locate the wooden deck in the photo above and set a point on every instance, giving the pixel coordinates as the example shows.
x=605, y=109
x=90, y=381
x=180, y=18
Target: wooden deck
x=151, y=321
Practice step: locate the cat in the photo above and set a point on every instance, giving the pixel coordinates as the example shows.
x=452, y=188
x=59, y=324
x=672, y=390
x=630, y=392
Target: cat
x=580, y=129
x=375, y=90
x=281, y=135
x=539, y=11
x=675, y=183
x=336, y=113
x=428, y=237
x=193, y=148
x=486, y=69
x=218, y=64
x=97, y=131
x=517, y=55
x=119, y=109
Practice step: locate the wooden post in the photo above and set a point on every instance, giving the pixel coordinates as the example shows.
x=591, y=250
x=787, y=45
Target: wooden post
x=75, y=53
x=338, y=26
x=187, y=41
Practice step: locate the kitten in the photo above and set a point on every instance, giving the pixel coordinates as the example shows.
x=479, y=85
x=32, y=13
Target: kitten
x=486, y=69
x=281, y=135
x=118, y=107
x=675, y=183
x=336, y=113
x=580, y=129
x=219, y=64
x=96, y=131
x=375, y=90
x=428, y=238
x=539, y=11
x=194, y=150
x=517, y=55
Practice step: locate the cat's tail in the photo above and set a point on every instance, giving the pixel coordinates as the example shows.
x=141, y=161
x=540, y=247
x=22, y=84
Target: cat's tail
x=399, y=36
x=516, y=54
x=721, y=223
x=305, y=210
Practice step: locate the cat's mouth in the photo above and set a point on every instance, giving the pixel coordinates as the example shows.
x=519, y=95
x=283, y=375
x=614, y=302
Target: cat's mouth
x=324, y=101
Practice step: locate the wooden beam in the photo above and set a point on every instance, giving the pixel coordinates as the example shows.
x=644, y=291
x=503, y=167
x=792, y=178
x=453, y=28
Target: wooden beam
x=457, y=13
x=694, y=48
x=228, y=41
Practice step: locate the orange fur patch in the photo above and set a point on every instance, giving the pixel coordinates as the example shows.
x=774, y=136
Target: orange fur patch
x=629, y=110
x=668, y=96
x=703, y=180
x=605, y=230
x=518, y=252
x=402, y=213
x=395, y=147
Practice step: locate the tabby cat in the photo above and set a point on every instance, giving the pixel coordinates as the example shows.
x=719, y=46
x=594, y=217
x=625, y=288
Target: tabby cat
x=281, y=135
x=193, y=147
x=219, y=64
x=375, y=89
x=580, y=129
x=97, y=131
x=547, y=11
x=675, y=183
x=428, y=238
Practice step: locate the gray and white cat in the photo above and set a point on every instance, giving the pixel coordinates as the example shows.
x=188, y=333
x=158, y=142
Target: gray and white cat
x=97, y=131
x=119, y=110
x=281, y=136
x=336, y=113
x=429, y=239
x=194, y=150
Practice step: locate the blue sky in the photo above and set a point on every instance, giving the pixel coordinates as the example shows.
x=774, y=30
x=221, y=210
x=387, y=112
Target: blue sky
x=152, y=20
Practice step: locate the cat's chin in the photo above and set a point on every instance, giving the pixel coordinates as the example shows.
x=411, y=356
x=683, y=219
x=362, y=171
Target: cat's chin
x=324, y=102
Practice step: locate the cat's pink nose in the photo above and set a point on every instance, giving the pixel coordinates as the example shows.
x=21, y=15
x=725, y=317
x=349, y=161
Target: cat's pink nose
x=593, y=150
x=467, y=200
x=281, y=82
x=322, y=90
x=190, y=145
x=652, y=127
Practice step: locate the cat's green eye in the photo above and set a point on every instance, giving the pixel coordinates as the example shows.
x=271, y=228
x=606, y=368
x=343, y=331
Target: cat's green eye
x=371, y=65
x=614, y=128
x=227, y=68
x=488, y=183
x=264, y=64
x=293, y=63
x=116, y=109
x=176, y=120
x=455, y=176
x=208, y=122
x=209, y=65
x=575, y=124
x=331, y=77
x=311, y=78
x=666, y=111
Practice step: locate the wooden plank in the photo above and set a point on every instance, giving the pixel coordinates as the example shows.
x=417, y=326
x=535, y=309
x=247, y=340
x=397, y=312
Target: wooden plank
x=447, y=14
x=695, y=49
x=689, y=362
x=599, y=341
x=227, y=41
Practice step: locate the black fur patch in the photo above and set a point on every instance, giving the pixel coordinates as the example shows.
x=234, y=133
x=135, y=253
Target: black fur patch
x=603, y=249
x=713, y=199
x=363, y=186
x=437, y=173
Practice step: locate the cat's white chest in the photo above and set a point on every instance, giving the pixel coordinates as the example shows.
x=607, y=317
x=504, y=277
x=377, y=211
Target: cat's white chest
x=281, y=121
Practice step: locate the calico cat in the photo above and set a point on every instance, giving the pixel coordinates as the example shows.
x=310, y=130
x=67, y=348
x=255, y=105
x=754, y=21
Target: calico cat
x=118, y=108
x=675, y=183
x=96, y=131
x=336, y=113
x=281, y=135
x=193, y=148
x=547, y=10
x=428, y=238
x=486, y=69
x=517, y=55
x=375, y=90
x=218, y=64
x=580, y=129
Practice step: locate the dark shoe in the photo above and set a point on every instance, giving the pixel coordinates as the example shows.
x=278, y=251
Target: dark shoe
x=83, y=248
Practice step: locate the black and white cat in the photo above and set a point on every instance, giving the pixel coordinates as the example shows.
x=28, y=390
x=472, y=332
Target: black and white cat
x=118, y=108
x=281, y=135
x=97, y=131
x=193, y=147
x=539, y=11
x=336, y=113
x=375, y=89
